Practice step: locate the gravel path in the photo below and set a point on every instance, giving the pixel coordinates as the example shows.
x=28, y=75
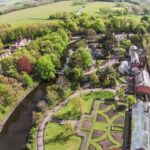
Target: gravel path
x=107, y=64
x=48, y=115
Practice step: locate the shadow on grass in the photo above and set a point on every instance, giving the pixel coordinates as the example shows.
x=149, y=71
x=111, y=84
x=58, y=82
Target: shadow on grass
x=70, y=115
x=38, y=19
x=61, y=137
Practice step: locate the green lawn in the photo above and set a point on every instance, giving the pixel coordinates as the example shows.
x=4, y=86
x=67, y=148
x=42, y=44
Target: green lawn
x=60, y=137
x=40, y=14
x=37, y=14
x=83, y=103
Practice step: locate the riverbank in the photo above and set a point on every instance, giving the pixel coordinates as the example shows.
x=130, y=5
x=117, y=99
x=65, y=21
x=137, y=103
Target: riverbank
x=13, y=107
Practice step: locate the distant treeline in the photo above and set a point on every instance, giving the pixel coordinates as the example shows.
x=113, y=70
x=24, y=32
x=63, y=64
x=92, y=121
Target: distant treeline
x=43, y=2
x=136, y=2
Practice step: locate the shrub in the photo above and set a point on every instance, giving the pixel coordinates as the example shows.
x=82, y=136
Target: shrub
x=27, y=80
x=24, y=65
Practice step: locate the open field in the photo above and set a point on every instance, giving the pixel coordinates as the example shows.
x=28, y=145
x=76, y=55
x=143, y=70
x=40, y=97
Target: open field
x=37, y=14
x=60, y=137
x=13, y=4
x=40, y=14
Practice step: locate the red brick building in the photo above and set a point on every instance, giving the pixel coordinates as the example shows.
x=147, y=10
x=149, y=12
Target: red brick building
x=142, y=82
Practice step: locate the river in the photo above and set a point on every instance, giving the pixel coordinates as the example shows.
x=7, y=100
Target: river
x=15, y=132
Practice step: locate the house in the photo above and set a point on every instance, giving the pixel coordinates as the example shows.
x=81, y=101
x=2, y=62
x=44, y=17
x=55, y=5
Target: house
x=137, y=56
x=135, y=62
x=19, y=44
x=142, y=82
x=22, y=42
x=124, y=67
x=134, y=70
x=132, y=49
x=120, y=37
x=5, y=54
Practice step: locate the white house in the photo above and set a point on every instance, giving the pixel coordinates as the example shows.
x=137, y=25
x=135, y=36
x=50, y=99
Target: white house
x=124, y=67
x=5, y=54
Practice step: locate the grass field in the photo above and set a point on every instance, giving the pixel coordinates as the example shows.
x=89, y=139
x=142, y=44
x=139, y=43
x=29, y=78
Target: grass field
x=40, y=14
x=60, y=137
x=37, y=14
x=83, y=103
x=9, y=4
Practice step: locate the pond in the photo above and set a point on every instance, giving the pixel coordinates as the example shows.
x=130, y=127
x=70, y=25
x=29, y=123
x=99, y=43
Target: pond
x=15, y=132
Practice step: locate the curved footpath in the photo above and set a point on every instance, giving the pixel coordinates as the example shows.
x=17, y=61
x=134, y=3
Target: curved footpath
x=48, y=115
x=110, y=63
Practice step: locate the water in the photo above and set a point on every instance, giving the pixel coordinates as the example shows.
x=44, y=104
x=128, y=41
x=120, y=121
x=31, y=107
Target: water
x=15, y=132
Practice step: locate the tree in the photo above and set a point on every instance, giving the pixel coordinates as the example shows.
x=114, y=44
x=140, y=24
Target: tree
x=59, y=44
x=107, y=77
x=27, y=80
x=91, y=34
x=55, y=93
x=81, y=58
x=7, y=94
x=131, y=100
x=45, y=68
x=11, y=71
x=46, y=47
x=1, y=44
x=141, y=29
x=125, y=44
x=76, y=74
x=6, y=63
x=81, y=43
x=122, y=52
x=137, y=39
x=24, y=65
x=108, y=42
x=72, y=26
x=25, y=53
x=52, y=97
x=98, y=25
x=120, y=93
x=63, y=35
x=94, y=79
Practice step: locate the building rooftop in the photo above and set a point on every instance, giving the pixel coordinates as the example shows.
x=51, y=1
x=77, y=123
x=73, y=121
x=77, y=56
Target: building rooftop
x=141, y=52
x=142, y=78
x=140, y=132
x=135, y=58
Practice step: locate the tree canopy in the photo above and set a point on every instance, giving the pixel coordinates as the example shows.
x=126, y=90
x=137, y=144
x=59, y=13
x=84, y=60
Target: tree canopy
x=45, y=67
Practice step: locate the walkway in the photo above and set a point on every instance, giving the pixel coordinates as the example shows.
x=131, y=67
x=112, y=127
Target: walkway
x=107, y=64
x=49, y=114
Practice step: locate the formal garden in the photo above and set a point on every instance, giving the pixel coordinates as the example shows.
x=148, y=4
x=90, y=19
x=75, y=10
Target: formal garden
x=106, y=128
x=94, y=116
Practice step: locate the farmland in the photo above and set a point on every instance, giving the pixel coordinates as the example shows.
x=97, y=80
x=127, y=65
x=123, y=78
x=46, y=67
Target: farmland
x=40, y=14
